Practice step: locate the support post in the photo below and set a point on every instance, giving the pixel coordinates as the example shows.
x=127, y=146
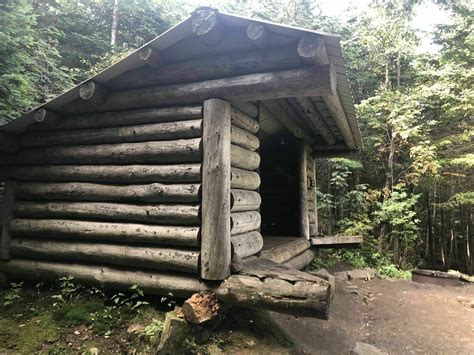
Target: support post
x=216, y=176
x=304, y=217
x=6, y=205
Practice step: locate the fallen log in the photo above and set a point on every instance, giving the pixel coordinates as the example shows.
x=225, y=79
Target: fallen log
x=148, y=257
x=180, y=151
x=312, y=81
x=105, y=231
x=244, y=179
x=120, y=118
x=156, y=214
x=244, y=158
x=124, y=174
x=247, y=244
x=242, y=222
x=262, y=284
x=83, y=191
x=148, y=132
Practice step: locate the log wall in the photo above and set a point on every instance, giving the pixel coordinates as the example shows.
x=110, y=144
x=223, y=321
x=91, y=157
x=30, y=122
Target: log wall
x=245, y=217
x=115, y=188
x=312, y=196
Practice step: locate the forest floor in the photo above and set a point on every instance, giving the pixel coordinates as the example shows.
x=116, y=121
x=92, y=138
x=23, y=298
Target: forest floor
x=396, y=316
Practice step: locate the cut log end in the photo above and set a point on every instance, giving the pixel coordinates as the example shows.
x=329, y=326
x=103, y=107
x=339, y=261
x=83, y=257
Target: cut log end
x=258, y=35
x=207, y=26
x=93, y=92
x=312, y=50
x=150, y=57
x=201, y=308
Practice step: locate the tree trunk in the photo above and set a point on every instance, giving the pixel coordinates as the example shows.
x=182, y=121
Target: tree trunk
x=113, y=35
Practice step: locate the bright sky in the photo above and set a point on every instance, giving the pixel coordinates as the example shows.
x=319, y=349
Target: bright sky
x=427, y=16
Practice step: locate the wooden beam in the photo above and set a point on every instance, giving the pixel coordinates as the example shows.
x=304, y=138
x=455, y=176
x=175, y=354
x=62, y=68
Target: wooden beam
x=334, y=105
x=313, y=81
x=302, y=260
x=303, y=188
x=207, y=26
x=310, y=111
x=215, y=231
x=93, y=92
x=312, y=50
x=247, y=244
x=287, y=251
x=247, y=108
x=150, y=57
x=258, y=35
x=337, y=241
x=6, y=214
x=9, y=143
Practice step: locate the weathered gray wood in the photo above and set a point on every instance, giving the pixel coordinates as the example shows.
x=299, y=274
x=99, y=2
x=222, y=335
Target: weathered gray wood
x=141, y=133
x=180, y=151
x=244, y=139
x=121, y=118
x=302, y=260
x=93, y=92
x=148, y=257
x=244, y=179
x=313, y=201
x=212, y=67
x=303, y=188
x=83, y=191
x=150, y=57
x=247, y=108
x=6, y=206
x=124, y=174
x=337, y=240
x=247, y=244
x=311, y=113
x=9, y=143
x=312, y=50
x=45, y=116
x=244, y=158
x=156, y=214
x=259, y=285
x=242, y=120
x=104, y=231
x=258, y=35
x=313, y=81
x=244, y=200
x=207, y=26
x=215, y=231
x=287, y=118
x=283, y=253
x=333, y=103
x=243, y=222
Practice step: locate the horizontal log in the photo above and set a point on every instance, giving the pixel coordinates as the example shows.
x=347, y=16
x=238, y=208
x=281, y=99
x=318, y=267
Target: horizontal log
x=335, y=241
x=121, y=255
x=9, y=143
x=207, y=26
x=93, y=92
x=244, y=139
x=103, y=231
x=180, y=151
x=120, y=118
x=312, y=81
x=83, y=191
x=244, y=158
x=45, y=116
x=156, y=214
x=262, y=286
x=244, y=200
x=211, y=67
x=334, y=105
x=247, y=244
x=287, y=251
x=243, y=222
x=302, y=260
x=247, y=108
x=258, y=35
x=244, y=179
x=242, y=120
x=179, y=173
x=142, y=133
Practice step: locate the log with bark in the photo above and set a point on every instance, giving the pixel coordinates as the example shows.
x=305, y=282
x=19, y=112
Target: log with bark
x=156, y=214
x=149, y=257
x=129, y=233
x=180, y=151
x=83, y=191
x=124, y=174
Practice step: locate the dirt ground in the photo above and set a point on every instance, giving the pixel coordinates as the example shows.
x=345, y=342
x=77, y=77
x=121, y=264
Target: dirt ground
x=396, y=316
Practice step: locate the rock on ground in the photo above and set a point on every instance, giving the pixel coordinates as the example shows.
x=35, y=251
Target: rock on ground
x=366, y=349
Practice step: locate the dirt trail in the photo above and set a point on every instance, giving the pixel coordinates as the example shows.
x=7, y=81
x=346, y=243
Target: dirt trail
x=399, y=317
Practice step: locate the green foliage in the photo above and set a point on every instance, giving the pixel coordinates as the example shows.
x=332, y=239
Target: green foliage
x=13, y=294
x=153, y=329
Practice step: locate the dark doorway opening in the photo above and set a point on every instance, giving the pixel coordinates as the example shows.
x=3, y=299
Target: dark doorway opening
x=279, y=187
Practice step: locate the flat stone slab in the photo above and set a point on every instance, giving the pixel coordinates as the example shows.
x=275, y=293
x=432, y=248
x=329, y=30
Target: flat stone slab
x=358, y=274
x=366, y=349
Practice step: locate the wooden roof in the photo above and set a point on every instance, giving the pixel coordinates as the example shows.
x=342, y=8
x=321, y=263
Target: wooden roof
x=173, y=47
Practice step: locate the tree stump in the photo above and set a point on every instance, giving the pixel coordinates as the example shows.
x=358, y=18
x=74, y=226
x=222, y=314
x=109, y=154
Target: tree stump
x=201, y=307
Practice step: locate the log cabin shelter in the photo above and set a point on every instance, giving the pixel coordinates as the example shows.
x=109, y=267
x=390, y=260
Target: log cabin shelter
x=187, y=166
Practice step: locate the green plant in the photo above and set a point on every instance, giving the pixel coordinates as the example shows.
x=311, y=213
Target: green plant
x=132, y=301
x=153, y=329
x=13, y=294
x=68, y=289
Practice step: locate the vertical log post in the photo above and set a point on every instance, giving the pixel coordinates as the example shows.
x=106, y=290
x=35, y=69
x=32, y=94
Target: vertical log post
x=303, y=182
x=216, y=173
x=316, y=222
x=6, y=205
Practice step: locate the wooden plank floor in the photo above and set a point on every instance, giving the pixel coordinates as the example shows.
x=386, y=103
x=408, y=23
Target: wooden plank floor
x=272, y=241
